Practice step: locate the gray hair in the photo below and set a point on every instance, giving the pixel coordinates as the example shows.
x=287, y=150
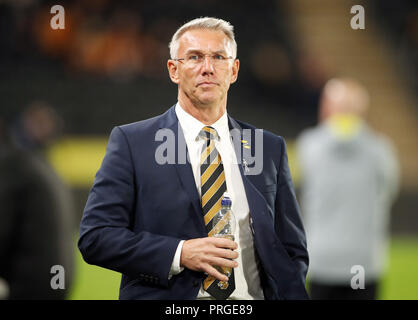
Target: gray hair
x=203, y=23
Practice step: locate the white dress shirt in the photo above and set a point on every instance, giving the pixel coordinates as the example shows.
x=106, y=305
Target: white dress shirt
x=247, y=279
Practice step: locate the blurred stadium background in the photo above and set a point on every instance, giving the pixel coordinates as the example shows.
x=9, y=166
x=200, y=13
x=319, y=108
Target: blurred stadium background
x=108, y=67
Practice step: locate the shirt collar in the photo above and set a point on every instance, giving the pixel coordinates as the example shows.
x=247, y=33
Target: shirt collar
x=191, y=126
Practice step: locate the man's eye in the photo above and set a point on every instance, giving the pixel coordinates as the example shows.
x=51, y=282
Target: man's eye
x=218, y=57
x=194, y=57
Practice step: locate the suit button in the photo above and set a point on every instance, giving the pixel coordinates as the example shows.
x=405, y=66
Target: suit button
x=196, y=283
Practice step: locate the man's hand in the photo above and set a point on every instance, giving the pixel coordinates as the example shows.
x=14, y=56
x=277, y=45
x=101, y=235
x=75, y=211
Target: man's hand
x=203, y=253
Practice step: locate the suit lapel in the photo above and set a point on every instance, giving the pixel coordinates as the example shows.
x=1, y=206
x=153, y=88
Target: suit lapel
x=261, y=222
x=256, y=201
x=183, y=166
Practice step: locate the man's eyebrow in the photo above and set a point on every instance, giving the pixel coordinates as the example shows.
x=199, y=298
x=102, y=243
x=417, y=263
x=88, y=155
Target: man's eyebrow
x=191, y=51
x=220, y=52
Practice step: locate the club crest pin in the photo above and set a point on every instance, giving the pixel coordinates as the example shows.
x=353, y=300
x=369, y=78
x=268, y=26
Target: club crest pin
x=223, y=285
x=245, y=144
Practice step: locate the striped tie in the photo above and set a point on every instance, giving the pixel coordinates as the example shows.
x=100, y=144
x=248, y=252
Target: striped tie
x=213, y=186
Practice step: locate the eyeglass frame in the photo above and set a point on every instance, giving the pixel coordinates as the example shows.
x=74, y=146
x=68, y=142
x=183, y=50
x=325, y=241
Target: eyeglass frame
x=205, y=55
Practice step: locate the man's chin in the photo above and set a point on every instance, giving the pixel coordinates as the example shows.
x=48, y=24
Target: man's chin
x=207, y=101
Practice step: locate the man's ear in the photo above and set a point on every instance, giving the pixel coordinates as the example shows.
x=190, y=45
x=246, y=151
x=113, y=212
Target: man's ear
x=235, y=69
x=173, y=71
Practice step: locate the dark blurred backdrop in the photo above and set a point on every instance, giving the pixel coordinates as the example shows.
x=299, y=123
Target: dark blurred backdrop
x=108, y=67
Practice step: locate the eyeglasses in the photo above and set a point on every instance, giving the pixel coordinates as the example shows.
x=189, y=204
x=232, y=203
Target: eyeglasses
x=196, y=59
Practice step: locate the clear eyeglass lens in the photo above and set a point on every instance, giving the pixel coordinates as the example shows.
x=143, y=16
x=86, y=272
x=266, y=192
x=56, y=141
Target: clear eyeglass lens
x=215, y=59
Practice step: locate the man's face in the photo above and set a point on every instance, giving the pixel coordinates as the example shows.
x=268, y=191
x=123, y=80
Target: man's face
x=205, y=83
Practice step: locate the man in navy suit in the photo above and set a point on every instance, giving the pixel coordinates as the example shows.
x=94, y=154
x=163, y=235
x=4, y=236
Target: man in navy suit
x=149, y=212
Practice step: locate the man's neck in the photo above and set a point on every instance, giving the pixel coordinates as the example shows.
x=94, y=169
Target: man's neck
x=208, y=114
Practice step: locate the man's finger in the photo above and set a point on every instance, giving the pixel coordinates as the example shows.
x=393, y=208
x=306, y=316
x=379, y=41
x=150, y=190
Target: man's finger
x=224, y=253
x=215, y=273
x=220, y=262
x=224, y=243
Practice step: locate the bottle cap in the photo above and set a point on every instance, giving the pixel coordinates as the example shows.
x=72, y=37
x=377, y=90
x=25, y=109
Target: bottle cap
x=226, y=200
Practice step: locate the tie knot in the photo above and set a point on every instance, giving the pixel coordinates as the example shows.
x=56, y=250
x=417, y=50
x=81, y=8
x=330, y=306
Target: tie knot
x=208, y=133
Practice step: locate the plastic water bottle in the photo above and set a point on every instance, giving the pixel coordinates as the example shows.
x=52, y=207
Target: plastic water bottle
x=224, y=221
x=224, y=224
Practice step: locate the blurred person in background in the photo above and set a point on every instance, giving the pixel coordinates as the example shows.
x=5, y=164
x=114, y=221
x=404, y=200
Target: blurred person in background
x=349, y=181
x=36, y=225
x=36, y=128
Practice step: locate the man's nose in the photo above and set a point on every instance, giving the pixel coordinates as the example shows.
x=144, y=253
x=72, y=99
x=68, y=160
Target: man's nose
x=207, y=65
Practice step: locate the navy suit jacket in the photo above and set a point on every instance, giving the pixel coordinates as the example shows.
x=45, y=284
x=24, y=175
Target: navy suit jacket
x=138, y=211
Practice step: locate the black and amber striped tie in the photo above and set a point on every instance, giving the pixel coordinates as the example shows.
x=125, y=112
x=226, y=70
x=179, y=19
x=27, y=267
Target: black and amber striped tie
x=213, y=186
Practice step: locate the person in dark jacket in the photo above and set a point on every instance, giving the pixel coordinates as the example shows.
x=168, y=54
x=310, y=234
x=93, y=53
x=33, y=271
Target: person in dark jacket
x=36, y=228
